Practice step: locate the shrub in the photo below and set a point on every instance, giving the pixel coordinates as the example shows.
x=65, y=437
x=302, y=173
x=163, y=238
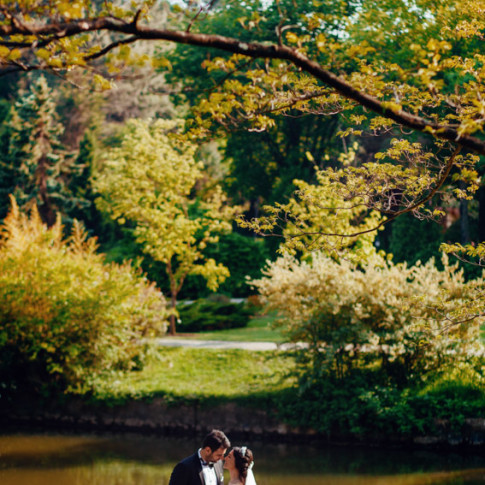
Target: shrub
x=213, y=313
x=67, y=318
x=362, y=405
x=372, y=315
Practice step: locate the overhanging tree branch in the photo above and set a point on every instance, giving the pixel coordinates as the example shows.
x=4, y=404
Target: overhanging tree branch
x=113, y=45
x=390, y=215
x=251, y=49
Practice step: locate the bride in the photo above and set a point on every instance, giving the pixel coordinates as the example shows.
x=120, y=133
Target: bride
x=239, y=463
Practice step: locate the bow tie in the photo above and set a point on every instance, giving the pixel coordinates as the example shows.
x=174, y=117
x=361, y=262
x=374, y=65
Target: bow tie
x=204, y=463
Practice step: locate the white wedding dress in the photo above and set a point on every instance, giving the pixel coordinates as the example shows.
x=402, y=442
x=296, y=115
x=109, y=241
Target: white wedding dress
x=250, y=478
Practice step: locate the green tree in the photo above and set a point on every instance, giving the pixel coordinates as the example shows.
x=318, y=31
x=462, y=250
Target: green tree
x=243, y=256
x=412, y=240
x=262, y=164
x=149, y=183
x=81, y=186
x=35, y=166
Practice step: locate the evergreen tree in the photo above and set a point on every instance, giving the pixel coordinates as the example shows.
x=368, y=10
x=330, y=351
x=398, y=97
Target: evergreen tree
x=81, y=187
x=34, y=166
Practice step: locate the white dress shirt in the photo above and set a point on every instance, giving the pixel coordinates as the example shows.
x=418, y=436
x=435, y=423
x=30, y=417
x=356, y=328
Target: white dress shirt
x=208, y=472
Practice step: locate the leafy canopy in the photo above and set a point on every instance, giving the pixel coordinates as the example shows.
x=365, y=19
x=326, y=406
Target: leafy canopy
x=59, y=35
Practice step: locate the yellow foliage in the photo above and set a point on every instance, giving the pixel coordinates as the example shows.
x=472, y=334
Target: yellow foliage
x=150, y=181
x=387, y=64
x=4, y=52
x=320, y=217
x=102, y=82
x=66, y=312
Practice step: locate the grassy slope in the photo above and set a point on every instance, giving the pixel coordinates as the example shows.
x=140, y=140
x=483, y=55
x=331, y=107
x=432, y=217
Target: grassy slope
x=261, y=379
x=253, y=378
x=185, y=373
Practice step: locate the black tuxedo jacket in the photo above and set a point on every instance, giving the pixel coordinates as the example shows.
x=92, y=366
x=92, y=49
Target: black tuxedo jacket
x=189, y=472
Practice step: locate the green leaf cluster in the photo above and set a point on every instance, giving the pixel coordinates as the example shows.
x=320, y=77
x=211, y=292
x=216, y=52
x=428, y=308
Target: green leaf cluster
x=213, y=314
x=413, y=240
x=361, y=406
x=243, y=256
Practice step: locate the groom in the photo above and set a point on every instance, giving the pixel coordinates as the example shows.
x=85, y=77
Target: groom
x=205, y=466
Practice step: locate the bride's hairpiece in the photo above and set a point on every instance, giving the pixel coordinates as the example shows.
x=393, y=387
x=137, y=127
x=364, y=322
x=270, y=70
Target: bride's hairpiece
x=243, y=454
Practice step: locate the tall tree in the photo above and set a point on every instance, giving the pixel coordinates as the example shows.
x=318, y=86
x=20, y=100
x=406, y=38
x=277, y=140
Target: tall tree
x=262, y=163
x=35, y=166
x=149, y=183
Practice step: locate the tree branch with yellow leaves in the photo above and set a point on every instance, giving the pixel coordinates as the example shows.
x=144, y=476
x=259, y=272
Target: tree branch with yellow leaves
x=60, y=44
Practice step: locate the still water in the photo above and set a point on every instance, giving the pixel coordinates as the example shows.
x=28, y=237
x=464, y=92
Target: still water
x=129, y=459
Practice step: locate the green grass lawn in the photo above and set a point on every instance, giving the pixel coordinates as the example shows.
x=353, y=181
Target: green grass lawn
x=183, y=373
x=258, y=330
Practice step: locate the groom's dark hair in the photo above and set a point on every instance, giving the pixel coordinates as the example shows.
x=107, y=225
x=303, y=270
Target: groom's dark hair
x=216, y=439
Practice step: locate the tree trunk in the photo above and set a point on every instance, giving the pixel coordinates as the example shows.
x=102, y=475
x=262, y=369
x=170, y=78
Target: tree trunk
x=173, y=321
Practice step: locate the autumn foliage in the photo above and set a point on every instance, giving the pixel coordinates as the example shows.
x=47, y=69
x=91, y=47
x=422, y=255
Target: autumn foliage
x=66, y=317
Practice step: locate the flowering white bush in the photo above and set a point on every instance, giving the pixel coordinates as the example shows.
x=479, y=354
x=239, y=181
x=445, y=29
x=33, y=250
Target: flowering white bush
x=376, y=313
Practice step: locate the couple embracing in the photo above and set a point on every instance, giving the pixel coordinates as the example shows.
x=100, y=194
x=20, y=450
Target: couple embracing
x=206, y=466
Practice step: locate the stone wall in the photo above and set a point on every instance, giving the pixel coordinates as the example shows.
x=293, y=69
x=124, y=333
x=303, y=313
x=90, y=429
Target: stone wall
x=158, y=417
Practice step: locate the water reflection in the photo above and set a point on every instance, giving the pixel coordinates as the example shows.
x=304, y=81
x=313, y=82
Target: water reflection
x=127, y=459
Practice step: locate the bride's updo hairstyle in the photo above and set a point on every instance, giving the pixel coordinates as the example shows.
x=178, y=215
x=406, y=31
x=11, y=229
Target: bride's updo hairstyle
x=243, y=459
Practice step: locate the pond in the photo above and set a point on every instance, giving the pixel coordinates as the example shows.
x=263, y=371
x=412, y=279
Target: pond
x=135, y=459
